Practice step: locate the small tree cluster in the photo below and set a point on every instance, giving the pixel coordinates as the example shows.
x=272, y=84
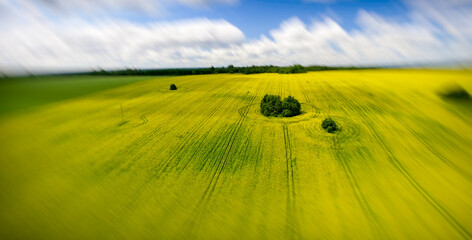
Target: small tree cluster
x=456, y=93
x=271, y=105
x=173, y=87
x=329, y=125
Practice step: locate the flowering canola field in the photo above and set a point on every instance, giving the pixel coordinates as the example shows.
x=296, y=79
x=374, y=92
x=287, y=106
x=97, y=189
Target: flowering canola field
x=201, y=162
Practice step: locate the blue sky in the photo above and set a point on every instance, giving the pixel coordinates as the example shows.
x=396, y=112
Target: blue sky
x=259, y=17
x=75, y=35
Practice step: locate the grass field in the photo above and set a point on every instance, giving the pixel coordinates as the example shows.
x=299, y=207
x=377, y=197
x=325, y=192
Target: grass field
x=17, y=94
x=202, y=162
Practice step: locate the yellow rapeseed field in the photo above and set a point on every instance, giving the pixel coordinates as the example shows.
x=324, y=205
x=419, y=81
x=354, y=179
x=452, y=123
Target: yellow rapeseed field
x=201, y=162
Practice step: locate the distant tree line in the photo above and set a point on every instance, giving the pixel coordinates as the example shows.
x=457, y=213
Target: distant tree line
x=213, y=70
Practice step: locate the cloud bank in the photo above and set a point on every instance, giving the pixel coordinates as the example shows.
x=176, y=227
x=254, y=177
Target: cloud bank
x=37, y=42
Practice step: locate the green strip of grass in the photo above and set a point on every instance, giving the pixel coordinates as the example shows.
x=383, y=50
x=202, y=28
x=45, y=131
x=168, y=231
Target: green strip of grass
x=21, y=93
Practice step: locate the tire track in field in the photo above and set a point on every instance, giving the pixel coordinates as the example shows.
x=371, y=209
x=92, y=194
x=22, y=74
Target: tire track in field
x=440, y=156
x=259, y=152
x=194, y=153
x=406, y=174
x=218, y=144
x=116, y=161
x=143, y=119
x=307, y=99
x=209, y=191
x=372, y=217
x=244, y=150
x=243, y=111
x=360, y=198
x=358, y=193
x=162, y=168
x=432, y=150
x=292, y=224
x=441, y=210
x=202, y=204
x=249, y=190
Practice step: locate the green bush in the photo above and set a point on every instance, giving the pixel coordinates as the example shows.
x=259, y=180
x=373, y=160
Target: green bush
x=272, y=106
x=329, y=125
x=291, y=107
x=173, y=87
x=455, y=92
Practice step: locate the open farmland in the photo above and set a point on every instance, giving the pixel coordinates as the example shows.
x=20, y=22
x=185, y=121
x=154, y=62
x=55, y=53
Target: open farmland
x=202, y=162
x=22, y=93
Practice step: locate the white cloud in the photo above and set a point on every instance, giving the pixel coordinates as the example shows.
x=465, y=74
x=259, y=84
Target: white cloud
x=196, y=3
x=430, y=36
x=38, y=43
x=115, y=7
x=111, y=43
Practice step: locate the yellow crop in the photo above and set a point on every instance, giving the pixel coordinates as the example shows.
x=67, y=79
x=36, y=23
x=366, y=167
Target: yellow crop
x=202, y=162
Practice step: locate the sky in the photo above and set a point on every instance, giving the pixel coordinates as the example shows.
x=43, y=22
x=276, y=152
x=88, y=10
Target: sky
x=82, y=35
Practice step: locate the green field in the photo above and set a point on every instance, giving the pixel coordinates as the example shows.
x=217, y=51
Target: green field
x=22, y=93
x=203, y=163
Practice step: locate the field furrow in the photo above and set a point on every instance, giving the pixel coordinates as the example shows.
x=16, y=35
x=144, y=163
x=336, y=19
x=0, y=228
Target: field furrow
x=396, y=163
x=438, y=206
x=292, y=219
x=202, y=162
x=164, y=166
x=135, y=148
x=209, y=191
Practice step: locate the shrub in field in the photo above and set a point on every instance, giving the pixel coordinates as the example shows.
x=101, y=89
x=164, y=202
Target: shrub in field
x=291, y=107
x=455, y=93
x=272, y=106
x=329, y=125
x=173, y=87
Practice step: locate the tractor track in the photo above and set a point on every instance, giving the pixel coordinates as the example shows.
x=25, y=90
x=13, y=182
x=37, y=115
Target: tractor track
x=420, y=189
x=364, y=204
x=158, y=170
x=292, y=223
x=209, y=191
x=358, y=193
x=432, y=150
x=307, y=99
x=259, y=152
x=243, y=111
x=162, y=168
x=170, y=120
x=244, y=150
x=441, y=210
x=144, y=119
x=116, y=161
x=200, y=141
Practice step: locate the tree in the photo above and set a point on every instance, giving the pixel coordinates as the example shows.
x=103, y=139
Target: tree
x=455, y=92
x=329, y=125
x=291, y=107
x=230, y=69
x=272, y=106
x=173, y=87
